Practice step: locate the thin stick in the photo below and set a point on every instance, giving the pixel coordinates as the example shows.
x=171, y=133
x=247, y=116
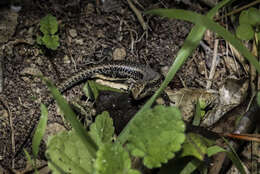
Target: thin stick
x=213, y=65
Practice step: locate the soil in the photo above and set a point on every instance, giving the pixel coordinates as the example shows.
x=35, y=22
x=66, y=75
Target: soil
x=88, y=34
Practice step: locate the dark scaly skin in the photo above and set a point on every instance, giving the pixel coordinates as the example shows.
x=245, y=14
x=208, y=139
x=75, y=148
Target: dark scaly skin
x=141, y=79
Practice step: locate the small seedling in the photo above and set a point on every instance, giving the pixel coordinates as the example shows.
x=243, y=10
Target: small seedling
x=49, y=28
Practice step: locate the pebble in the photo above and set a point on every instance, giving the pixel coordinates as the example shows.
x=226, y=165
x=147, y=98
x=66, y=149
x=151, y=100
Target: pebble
x=73, y=33
x=66, y=59
x=79, y=41
x=119, y=54
x=165, y=70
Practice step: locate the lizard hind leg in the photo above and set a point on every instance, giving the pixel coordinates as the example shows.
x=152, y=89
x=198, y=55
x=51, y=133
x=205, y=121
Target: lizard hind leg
x=137, y=90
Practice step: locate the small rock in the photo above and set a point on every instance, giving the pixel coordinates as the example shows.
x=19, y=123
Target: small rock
x=36, y=52
x=73, y=33
x=26, y=79
x=3, y=114
x=165, y=70
x=119, y=54
x=66, y=59
x=100, y=34
x=79, y=41
x=69, y=39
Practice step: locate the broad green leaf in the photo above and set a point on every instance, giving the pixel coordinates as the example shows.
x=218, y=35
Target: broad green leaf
x=51, y=41
x=244, y=18
x=113, y=159
x=254, y=16
x=195, y=145
x=214, y=150
x=40, y=130
x=157, y=135
x=245, y=32
x=102, y=130
x=70, y=116
x=49, y=25
x=66, y=152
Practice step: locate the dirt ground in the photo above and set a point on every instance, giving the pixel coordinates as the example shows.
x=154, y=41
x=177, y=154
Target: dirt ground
x=88, y=34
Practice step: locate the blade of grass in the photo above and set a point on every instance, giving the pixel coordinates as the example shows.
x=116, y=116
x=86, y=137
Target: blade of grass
x=71, y=117
x=198, y=114
x=30, y=161
x=191, y=42
x=40, y=130
x=231, y=155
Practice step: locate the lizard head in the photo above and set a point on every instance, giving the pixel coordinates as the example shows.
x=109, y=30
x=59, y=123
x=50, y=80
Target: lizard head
x=145, y=88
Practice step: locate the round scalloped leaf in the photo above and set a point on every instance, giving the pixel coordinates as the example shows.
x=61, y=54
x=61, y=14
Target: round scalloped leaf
x=51, y=41
x=49, y=24
x=113, y=159
x=67, y=154
x=157, y=135
x=245, y=32
x=254, y=16
x=102, y=130
x=244, y=18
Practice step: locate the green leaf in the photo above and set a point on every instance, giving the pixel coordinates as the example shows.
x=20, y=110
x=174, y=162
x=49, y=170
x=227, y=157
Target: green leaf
x=93, y=87
x=88, y=91
x=40, y=130
x=113, y=159
x=66, y=154
x=70, y=116
x=231, y=155
x=254, y=16
x=49, y=25
x=196, y=145
x=157, y=135
x=258, y=98
x=198, y=113
x=102, y=129
x=214, y=150
x=30, y=161
x=191, y=166
x=258, y=35
x=245, y=32
x=244, y=18
x=51, y=41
